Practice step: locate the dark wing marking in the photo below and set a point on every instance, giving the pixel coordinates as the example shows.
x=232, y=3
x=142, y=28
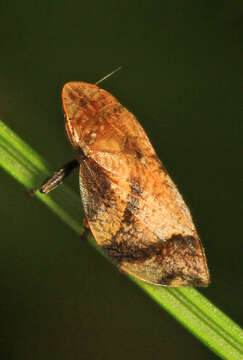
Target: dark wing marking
x=104, y=208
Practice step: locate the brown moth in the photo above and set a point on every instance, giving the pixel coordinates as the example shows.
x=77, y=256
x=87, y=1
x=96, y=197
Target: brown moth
x=133, y=208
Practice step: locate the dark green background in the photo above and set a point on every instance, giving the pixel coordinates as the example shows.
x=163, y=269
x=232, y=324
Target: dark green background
x=182, y=77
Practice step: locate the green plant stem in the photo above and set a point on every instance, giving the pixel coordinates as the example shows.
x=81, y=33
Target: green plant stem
x=186, y=304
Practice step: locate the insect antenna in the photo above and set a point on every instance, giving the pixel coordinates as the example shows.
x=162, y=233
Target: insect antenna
x=108, y=75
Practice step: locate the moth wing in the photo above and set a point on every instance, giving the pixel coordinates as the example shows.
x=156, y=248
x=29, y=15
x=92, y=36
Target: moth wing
x=125, y=223
x=150, y=250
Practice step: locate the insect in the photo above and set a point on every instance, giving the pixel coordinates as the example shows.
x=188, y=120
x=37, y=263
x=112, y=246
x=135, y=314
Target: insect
x=133, y=208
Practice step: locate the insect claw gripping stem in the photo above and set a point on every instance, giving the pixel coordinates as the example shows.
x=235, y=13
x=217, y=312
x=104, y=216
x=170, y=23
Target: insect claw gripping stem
x=55, y=180
x=84, y=236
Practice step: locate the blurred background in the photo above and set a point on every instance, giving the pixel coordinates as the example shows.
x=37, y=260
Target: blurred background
x=182, y=78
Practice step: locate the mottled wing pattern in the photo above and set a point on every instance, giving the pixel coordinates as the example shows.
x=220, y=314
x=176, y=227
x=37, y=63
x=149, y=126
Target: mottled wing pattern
x=133, y=208
x=103, y=205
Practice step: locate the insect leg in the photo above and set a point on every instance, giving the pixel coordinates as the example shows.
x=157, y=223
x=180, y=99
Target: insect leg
x=84, y=236
x=85, y=223
x=55, y=180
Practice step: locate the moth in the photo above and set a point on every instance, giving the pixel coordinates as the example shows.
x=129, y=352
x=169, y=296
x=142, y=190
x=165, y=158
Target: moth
x=133, y=208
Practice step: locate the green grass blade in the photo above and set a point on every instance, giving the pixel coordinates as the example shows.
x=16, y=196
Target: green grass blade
x=201, y=317
x=187, y=305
